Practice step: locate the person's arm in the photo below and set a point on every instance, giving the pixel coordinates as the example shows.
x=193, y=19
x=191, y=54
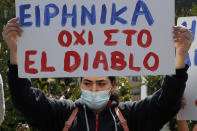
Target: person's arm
x=154, y=111
x=182, y=125
x=40, y=111
x=167, y=101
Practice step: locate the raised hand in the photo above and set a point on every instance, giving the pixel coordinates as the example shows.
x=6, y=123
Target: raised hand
x=183, y=39
x=10, y=34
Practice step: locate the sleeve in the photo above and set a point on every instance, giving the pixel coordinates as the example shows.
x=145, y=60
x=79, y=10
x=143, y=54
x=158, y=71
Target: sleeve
x=155, y=110
x=40, y=111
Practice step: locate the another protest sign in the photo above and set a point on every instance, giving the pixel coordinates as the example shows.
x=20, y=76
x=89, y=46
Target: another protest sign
x=189, y=111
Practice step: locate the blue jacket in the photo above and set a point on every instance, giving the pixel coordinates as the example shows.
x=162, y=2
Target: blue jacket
x=48, y=114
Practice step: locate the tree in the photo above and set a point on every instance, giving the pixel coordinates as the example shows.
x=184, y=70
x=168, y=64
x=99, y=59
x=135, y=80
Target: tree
x=123, y=89
x=153, y=83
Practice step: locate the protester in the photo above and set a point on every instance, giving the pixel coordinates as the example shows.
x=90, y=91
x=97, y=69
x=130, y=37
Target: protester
x=97, y=110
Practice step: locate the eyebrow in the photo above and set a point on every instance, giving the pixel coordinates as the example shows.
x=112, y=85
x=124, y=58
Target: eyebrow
x=87, y=80
x=101, y=81
x=96, y=81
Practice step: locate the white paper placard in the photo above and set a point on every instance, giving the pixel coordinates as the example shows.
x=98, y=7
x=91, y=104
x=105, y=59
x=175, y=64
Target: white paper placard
x=95, y=38
x=190, y=96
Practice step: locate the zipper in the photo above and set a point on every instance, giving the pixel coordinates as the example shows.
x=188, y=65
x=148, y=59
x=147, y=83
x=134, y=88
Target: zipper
x=97, y=121
x=86, y=118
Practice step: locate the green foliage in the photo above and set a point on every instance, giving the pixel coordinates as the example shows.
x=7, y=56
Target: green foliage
x=58, y=88
x=153, y=83
x=186, y=8
x=123, y=89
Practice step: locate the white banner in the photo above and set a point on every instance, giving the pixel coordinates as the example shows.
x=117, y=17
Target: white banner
x=95, y=38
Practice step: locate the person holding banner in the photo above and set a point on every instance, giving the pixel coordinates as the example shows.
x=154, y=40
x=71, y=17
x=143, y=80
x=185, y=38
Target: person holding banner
x=97, y=109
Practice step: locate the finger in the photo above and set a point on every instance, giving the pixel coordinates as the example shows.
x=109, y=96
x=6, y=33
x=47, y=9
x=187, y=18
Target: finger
x=13, y=25
x=11, y=34
x=11, y=29
x=183, y=35
x=13, y=20
x=181, y=31
x=179, y=27
x=176, y=28
x=14, y=29
x=182, y=40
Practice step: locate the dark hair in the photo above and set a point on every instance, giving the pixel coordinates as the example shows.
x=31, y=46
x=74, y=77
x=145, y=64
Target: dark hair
x=114, y=96
x=111, y=78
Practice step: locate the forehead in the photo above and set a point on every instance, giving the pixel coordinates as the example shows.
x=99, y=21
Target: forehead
x=96, y=78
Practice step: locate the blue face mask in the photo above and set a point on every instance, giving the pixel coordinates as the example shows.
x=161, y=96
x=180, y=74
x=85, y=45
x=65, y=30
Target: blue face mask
x=95, y=100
